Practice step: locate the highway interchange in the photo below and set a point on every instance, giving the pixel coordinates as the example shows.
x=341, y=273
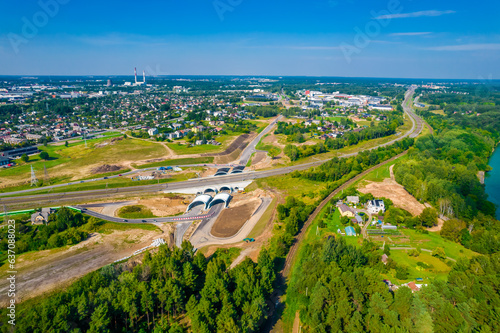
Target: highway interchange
x=38, y=200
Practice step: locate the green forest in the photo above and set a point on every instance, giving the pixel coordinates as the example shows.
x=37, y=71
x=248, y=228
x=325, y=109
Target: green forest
x=339, y=288
x=65, y=227
x=157, y=295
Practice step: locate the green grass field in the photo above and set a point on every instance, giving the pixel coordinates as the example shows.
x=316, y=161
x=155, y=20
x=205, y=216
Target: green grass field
x=180, y=161
x=304, y=189
x=184, y=149
x=432, y=240
x=114, y=183
x=76, y=160
x=135, y=212
x=436, y=267
x=261, y=224
x=109, y=227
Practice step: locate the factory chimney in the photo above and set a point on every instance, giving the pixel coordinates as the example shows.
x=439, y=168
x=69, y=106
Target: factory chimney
x=135, y=74
x=144, y=77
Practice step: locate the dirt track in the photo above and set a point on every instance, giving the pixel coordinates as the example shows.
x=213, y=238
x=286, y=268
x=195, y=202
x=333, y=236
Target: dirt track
x=48, y=270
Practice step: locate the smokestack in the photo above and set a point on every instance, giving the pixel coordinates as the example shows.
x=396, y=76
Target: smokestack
x=135, y=74
x=144, y=77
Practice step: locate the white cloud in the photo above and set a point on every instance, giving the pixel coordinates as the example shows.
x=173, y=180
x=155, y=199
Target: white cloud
x=466, y=47
x=399, y=34
x=416, y=14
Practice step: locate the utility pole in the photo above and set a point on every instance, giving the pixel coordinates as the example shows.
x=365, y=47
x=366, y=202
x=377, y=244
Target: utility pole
x=34, y=180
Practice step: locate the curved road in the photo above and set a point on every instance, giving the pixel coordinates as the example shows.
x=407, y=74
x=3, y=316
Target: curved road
x=54, y=198
x=185, y=217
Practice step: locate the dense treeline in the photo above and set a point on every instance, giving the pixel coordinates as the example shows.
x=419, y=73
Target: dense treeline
x=477, y=107
x=265, y=111
x=336, y=168
x=62, y=229
x=351, y=138
x=442, y=170
x=155, y=295
x=339, y=288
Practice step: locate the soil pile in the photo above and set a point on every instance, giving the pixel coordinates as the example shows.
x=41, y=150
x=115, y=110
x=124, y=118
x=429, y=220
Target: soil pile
x=105, y=168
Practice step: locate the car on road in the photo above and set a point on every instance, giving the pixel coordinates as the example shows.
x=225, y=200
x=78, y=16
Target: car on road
x=81, y=181
x=125, y=221
x=144, y=221
x=105, y=178
x=120, y=175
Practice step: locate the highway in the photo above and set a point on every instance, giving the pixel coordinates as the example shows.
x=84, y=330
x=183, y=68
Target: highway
x=190, y=216
x=250, y=149
x=38, y=200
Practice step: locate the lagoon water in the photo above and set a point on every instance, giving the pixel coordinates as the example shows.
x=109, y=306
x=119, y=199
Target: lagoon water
x=492, y=181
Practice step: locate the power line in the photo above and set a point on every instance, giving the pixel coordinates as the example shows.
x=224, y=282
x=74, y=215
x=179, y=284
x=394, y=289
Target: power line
x=34, y=180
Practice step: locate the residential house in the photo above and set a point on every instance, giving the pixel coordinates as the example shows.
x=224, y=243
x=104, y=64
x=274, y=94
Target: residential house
x=346, y=210
x=41, y=217
x=199, y=128
x=414, y=288
x=153, y=131
x=375, y=206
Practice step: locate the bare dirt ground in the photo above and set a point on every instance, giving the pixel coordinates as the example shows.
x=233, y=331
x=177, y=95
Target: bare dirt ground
x=251, y=250
x=391, y=190
x=45, y=271
x=273, y=139
x=232, y=219
x=167, y=205
x=106, y=168
x=259, y=156
x=262, y=161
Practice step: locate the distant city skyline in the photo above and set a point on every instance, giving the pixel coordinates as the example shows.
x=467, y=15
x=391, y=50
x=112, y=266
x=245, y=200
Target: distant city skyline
x=391, y=39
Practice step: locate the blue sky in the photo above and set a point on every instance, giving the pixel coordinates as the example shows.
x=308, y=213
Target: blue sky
x=394, y=38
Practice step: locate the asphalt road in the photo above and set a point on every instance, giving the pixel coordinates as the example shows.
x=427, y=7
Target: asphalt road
x=186, y=217
x=65, y=197
x=250, y=149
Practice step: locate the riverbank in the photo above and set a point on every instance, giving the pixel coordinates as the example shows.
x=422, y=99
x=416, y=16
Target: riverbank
x=492, y=181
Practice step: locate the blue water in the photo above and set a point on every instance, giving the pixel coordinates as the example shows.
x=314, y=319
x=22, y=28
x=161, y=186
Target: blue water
x=492, y=181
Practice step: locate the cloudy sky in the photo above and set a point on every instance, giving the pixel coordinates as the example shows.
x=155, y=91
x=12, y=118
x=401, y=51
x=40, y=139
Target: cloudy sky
x=401, y=39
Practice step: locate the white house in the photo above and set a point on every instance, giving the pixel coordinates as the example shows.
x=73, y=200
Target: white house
x=152, y=131
x=375, y=206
